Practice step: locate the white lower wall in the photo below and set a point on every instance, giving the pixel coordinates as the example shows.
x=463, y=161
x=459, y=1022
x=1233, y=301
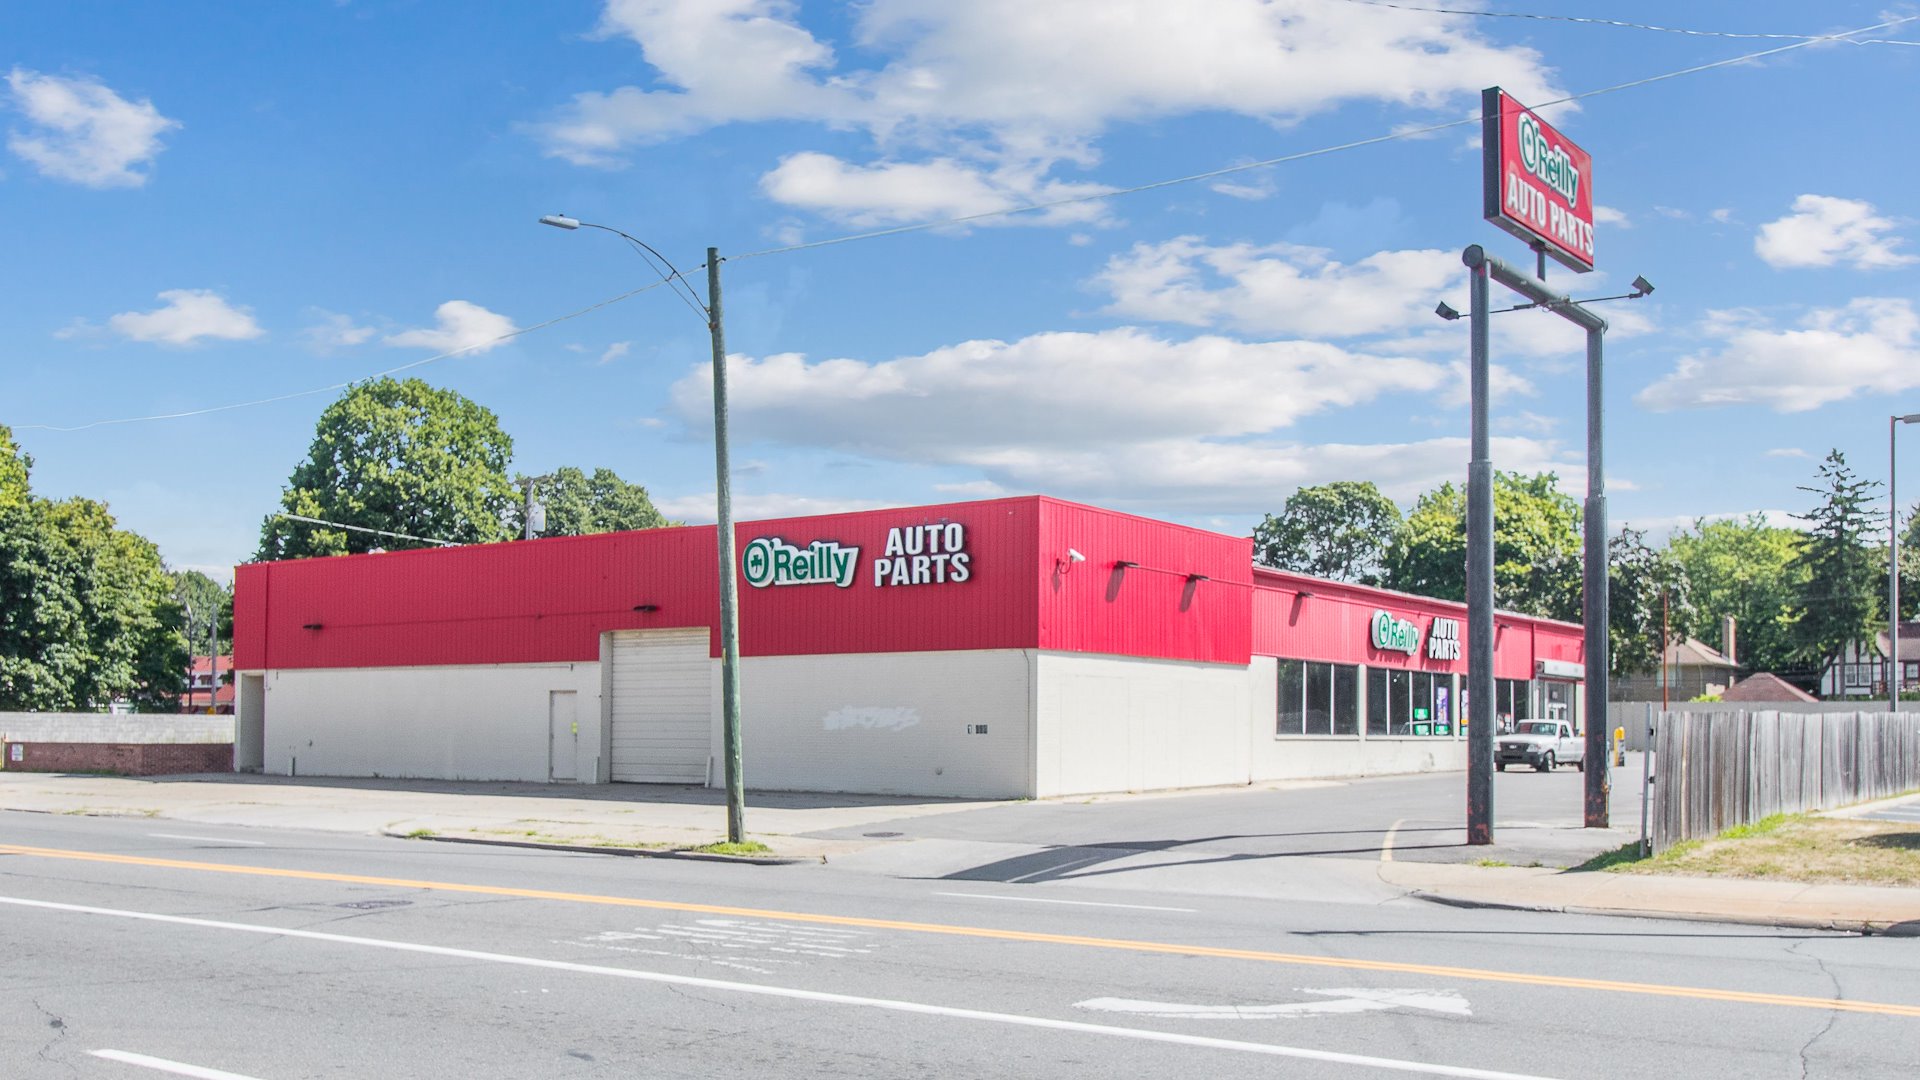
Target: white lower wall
x=927, y=723
x=483, y=722
x=1113, y=723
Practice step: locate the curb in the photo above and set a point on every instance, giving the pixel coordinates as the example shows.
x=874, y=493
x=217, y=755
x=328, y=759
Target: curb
x=1863, y=927
x=631, y=853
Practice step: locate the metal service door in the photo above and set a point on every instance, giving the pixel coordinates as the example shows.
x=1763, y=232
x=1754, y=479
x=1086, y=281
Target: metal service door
x=662, y=706
x=563, y=735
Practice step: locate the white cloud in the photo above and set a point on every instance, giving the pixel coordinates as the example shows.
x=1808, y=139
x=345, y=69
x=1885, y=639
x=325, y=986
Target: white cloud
x=187, y=317
x=1664, y=526
x=334, y=332
x=973, y=489
x=1116, y=416
x=1825, y=231
x=1872, y=344
x=703, y=509
x=1607, y=215
x=1278, y=288
x=79, y=130
x=1723, y=215
x=891, y=192
x=462, y=325
x=614, y=352
x=1009, y=83
x=1057, y=389
x=1787, y=452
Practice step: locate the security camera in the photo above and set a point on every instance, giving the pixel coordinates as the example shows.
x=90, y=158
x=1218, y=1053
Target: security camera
x=1075, y=556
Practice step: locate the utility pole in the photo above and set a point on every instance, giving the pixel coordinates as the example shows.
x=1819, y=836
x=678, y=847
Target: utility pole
x=1665, y=681
x=729, y=603
x=528, y=505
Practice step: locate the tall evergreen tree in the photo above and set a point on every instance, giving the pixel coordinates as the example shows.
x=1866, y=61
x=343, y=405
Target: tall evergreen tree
x=1841, y=600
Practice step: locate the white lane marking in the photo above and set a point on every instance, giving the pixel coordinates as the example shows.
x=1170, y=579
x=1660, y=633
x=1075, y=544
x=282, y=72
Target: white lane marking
x=207, y=839
x=177, y=1068
x=1350, y=1000
x=793, y=994
x=1080, y=903
x=1386, y=845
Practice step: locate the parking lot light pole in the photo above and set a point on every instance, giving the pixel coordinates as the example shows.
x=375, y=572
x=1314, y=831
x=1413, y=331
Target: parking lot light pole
x=723, y=490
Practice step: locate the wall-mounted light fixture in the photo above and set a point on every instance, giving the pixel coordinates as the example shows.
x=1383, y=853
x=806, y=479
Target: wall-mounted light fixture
x=646, y=607
x=1124, y=564
x=1198, y=577
x=310, y=626
x=1305, y=594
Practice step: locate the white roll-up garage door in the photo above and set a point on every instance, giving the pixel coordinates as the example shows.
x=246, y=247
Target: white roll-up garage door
x=662, y=706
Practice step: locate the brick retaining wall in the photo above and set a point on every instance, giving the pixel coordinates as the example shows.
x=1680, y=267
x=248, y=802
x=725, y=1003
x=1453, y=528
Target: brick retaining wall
x=127, y=759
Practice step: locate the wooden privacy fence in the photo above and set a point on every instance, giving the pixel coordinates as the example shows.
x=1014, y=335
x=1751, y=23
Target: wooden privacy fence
x=1717, y=770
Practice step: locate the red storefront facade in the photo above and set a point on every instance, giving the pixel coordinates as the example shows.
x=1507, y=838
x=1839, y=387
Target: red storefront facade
x=1022, y=646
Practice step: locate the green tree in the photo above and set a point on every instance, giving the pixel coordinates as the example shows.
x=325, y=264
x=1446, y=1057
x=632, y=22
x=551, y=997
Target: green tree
x=1637, y=578
x=578, y=504
x=1339, y=531
x=14, y=469
x=202, y=598
x=87, y=615
x=1536, y=546
x=1840, y=600
x=402, y=457
x=1750, y=570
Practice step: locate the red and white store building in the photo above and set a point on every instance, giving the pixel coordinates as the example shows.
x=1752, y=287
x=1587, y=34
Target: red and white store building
x=1014, y=647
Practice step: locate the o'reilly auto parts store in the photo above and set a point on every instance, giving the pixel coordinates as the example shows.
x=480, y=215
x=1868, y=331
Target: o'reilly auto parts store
x=1014, y=647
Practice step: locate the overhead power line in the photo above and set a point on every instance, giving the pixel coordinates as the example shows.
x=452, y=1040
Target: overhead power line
x=462, y=350
x=964, y=219
x=1620, y=23
x=364, y=529
x=1405, y=133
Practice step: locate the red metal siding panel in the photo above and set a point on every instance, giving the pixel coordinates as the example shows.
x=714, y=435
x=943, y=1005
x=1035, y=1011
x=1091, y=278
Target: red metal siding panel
x=549, y=600
x=991, y=609
x=1334, y=624
x=1152, y=608
x=544, y=600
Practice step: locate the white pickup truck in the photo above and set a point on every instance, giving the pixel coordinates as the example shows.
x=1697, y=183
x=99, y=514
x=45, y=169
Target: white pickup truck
x=1541, y=744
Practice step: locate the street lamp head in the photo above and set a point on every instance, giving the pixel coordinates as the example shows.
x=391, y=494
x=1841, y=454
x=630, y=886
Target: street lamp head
x=1446, y=311
x=1641, y=286
x=1910, y=418
x=560, y=221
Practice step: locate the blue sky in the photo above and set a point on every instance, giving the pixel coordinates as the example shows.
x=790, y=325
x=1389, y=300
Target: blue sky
x=204, y=209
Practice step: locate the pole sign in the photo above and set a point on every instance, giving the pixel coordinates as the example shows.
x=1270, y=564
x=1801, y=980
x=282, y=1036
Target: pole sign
x=1536, y=184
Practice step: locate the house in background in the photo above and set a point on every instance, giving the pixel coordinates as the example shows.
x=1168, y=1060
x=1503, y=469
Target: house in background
x=1693, y=669
x=200, y=683
x=1861, y=668
x=1765, y=688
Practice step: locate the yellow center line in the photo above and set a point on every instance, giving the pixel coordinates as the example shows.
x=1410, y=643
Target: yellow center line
x=1441, y=971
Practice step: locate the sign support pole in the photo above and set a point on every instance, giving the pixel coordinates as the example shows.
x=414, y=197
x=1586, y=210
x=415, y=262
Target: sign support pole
x=1480, y=695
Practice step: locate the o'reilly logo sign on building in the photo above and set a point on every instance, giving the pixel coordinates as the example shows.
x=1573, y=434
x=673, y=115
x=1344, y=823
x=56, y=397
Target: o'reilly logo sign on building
x=1395, y=635
x=914, y=555
x=770, y=560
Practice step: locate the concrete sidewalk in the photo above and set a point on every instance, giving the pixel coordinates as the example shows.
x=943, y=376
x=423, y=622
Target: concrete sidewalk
x=651, y=817
x=665, y=819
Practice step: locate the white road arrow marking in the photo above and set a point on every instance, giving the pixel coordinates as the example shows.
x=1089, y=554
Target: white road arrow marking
x=1351, y=1000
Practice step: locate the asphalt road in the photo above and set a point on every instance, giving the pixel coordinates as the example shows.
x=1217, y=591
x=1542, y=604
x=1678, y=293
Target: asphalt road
x=141, y=948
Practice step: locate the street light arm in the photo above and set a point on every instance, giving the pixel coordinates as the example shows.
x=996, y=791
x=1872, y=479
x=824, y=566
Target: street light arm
x=672, y=275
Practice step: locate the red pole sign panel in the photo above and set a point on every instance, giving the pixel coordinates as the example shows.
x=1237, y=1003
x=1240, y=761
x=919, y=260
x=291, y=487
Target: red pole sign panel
x=1537, y=184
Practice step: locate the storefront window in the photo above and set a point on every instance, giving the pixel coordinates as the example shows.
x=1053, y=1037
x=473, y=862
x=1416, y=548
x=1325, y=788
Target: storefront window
x=1346, y=699
x=1561, y=702
x=1400, y=710
x=1292, y=689
x=1513, y=702
x=1376, y=701
x=1318, y=698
